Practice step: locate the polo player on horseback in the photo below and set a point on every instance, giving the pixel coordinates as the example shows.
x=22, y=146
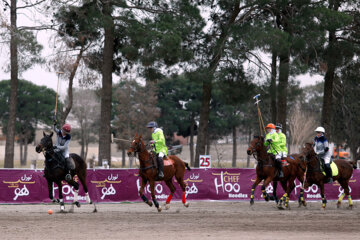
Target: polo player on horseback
x=273, y=141
x=321, y=148
x=63, y=138
x=158, y=141
x=282, y=138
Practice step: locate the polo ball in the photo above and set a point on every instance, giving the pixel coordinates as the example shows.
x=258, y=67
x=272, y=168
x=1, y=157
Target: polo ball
x=50, y=211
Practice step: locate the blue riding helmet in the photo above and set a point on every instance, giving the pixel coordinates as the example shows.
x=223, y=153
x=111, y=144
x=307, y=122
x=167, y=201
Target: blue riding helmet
x=278, y=126
x=152, y=125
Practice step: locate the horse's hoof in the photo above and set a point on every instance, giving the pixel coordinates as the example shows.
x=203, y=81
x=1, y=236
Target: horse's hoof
x=62, y=208
x=252, y=202
x=150, y=203
x=95, y=210
x=167, y=206
x=90, y=202
x=186, y=204
x=77, y=204
x=280, y=207
x=266, y=199
x=350, y=207
x=159, y=209
x=56, y=200
x=338, y=204
x=322, y=209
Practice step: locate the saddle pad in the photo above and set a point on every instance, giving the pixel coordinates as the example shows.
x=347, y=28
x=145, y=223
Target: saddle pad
x=334, y=169
x=168, y=162
x=284, y=163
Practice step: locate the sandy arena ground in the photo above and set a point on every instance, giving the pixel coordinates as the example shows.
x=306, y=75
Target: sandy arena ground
x=202, y=220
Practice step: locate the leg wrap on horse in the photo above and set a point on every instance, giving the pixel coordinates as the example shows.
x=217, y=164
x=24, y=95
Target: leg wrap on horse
x=169, y=199
x=184, y=197
x=252, y=193
x=144, y=198
x=156, y=203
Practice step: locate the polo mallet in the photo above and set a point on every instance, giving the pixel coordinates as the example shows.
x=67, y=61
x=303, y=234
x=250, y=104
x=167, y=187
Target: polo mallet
x=57, y=92
x=261, y=122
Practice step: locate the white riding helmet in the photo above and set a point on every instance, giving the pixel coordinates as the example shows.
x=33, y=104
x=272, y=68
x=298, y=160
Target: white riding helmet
x=320, y=129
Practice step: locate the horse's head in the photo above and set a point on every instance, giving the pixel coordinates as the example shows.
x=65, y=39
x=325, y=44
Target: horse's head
x=256, y=145
x=308, y=151
x=45, y=144
x=136, y=145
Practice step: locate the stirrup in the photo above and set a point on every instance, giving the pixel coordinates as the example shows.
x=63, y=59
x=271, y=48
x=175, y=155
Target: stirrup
x=68, y=177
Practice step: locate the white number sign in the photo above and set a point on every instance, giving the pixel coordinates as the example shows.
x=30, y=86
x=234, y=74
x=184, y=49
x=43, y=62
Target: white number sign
x=205, y=161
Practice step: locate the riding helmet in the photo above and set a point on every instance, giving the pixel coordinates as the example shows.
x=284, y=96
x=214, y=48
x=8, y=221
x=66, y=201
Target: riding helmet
x=270, y=125
x=152, y=125
x=66, y=128
x=320, y=129
x=278, y=126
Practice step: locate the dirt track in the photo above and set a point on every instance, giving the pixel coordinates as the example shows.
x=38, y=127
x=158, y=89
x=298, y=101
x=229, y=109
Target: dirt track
x=202, y=220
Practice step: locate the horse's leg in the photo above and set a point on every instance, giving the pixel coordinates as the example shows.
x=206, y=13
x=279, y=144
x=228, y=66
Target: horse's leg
x=323, y=206
x=50, y=188
x=62, y=205
x=152, y=189
x=265, y=194
x=76, y=192
x=182, y=184
x=274, y=196
x=141, y=192
x=283, y=197
x=257, y=181
x=290, y=188
x=345, y=185
x=172, y=189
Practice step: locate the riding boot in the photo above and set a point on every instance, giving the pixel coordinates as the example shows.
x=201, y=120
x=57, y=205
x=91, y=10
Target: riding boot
x=69, y=168
x=279, y=166
x=328, y=173
x=161, y=167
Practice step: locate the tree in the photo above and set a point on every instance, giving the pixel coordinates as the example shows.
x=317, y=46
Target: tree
x=86, y=110
x=135, y=106
x=34, y=102
x=179, y=101
x=30, y=49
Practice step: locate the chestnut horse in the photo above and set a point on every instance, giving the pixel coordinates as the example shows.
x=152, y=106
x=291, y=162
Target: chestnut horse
x=54, y=172
x=148, y=172
x=315, y=174
x=265, y=170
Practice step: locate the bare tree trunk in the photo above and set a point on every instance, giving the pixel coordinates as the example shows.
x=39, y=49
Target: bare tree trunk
x=106, y=91
x=82, y=135
x=70, y=87
x=208, y=142
x=282, y=89
x=10, y=133
x=123, y=157
x=204, y=120
x=327, y=101
x=234, y=147
x=26, y=150
x=21, y=146
x=273, y=87
x=192, y=142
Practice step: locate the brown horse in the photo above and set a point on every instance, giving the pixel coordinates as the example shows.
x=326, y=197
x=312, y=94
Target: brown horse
x=265, y=170
x=54, y=172
x=148, y=172
x=315, y=174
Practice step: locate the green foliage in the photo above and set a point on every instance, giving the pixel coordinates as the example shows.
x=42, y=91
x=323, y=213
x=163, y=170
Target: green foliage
x=35, y=103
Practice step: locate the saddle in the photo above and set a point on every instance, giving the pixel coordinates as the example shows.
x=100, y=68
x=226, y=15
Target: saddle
x=333, y=166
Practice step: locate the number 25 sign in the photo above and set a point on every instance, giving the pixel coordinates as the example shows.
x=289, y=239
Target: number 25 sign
x=205, y=161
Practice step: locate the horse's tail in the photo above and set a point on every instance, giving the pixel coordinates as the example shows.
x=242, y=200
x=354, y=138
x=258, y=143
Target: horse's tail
x=187, y=166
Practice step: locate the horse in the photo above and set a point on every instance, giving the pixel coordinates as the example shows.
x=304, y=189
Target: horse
x=54, y=172
x=316, y=176
x=266, y=171
x=148, y=172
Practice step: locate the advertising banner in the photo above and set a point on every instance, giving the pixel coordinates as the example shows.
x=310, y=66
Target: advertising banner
x=119, y=185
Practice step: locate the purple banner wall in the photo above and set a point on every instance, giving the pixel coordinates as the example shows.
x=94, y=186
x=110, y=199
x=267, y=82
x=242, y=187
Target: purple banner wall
x=118, y=185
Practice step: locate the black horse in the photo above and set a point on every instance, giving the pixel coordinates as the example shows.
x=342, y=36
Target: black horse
x=54, y=172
